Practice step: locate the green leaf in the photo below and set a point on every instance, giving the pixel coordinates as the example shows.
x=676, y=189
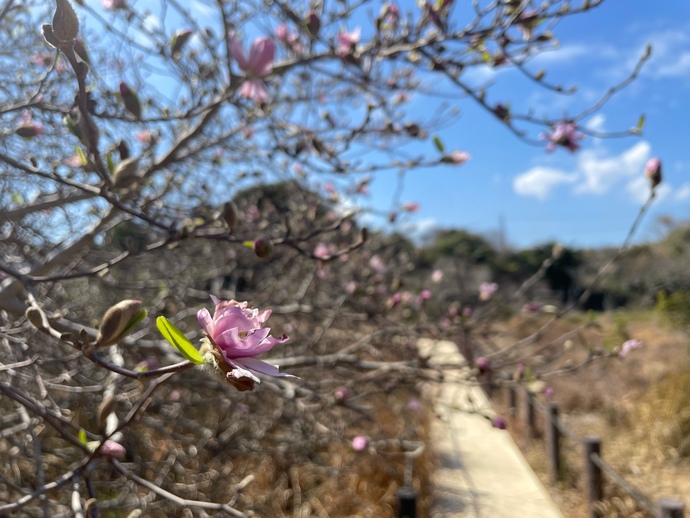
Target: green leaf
x=248, y=244
x=178, y=340
x=82, y=157
x=640, y=122
x=17, y=198
x=82, y=436
x=135, y=320
x=111, y=162
x=439, y=144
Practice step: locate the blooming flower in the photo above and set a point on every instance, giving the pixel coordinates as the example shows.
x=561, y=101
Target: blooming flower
x=347, y=41
x=258, y=64
x=236, y=335
x=437, y=276
x=377, y=264
x=653, y=171
x=360, y=443
x=628, y=346
x=487, y=290
x=564, y=134
x=288, y=38
x=410, y=206
x=112, y=5
x=112, y=449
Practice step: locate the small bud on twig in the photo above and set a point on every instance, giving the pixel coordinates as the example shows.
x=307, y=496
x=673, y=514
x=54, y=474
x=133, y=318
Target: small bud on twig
x=229, y=215
x=65, y=22
x=117, y=321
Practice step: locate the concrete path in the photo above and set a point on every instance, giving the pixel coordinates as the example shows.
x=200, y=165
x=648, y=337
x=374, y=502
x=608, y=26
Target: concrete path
x=482, y=472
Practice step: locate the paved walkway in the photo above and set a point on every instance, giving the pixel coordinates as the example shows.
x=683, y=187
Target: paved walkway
x=482, y=472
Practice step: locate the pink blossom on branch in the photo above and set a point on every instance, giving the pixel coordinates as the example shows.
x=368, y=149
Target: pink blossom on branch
x=487, y=290
x=236, y=334
x=629, y=346
x=564, y=134
x=256, y=65
x=457, y=157
x=653, y=171
x=410, y=206
x=347, y=42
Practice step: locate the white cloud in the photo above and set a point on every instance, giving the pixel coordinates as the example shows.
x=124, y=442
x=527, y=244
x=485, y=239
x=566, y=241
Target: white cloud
x=594, y=173
x=598, y=173
x=682, y=193
x=539, y=181
x=596, y=123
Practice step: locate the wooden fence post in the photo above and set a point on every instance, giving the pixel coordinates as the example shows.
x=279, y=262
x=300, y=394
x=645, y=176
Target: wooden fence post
x=670, y=508
x=594, y=490
x=407, y=502
x=528, y=414
x=553, y=440
x=512, y=399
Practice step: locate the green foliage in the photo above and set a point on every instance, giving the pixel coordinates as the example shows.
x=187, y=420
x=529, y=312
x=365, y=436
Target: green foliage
x=674, y=308
x=178, y=340
x=461, y=244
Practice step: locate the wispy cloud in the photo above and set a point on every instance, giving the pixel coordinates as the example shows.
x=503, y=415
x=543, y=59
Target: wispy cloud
x=598, y=173
x=540, y=181
x=595, y=173
x=682, y=193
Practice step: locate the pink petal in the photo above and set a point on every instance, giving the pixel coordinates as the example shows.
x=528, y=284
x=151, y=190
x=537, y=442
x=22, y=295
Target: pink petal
x=254, y=90
x=261, y=57
x=240, y=372
x=204, y=318
x=262, y=367
x=237, y=52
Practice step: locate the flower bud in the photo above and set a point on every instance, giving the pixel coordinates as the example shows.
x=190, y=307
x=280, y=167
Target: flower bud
x=29, y=130
x=313, y=24
x=131, y=100
x=116, y=322
x=229, y=215
x=126, y=172
x=653, y=171
x=263, y=248
x=109, y=448
x=179, y=40
x=106, y=408
x=360, y=443
x=483, y=364
x=65, y=22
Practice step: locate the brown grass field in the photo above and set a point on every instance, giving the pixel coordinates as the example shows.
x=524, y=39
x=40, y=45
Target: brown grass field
x=639, y=405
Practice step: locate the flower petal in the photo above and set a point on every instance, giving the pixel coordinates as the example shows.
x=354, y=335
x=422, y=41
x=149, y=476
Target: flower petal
x=237, y=52
x=262, y=367
x=261, y=57
x=204, y=318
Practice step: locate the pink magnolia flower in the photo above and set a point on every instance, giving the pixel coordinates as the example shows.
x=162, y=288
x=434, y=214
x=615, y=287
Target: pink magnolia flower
x=258, y=64
x=341, y=394
x=360, y=443
x=237, y=335
x=288, y=38
x=322, y=251
x=347, y=42
x=457, y=157
x=112, y=5
x=629, y=346
x=414, y=405
x=653, y=171
x=487, y=290
x=424, y=296
x=564, y=134
x=410, y=206
x=112, y=449
x=377, y=264
x=437, y=276
x=350, y=287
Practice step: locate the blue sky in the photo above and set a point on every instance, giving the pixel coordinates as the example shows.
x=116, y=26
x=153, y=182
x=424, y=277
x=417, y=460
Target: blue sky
x=585, y=199
x=589, y=198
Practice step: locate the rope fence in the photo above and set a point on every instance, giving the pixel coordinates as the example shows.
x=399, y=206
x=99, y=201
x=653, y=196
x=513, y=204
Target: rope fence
x=595, y=467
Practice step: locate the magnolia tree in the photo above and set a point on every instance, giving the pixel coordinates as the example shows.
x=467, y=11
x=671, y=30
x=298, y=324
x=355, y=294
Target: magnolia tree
x=172, y=170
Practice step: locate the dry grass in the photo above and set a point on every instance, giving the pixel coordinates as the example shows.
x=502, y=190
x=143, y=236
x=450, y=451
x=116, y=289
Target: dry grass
x=638, y=405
